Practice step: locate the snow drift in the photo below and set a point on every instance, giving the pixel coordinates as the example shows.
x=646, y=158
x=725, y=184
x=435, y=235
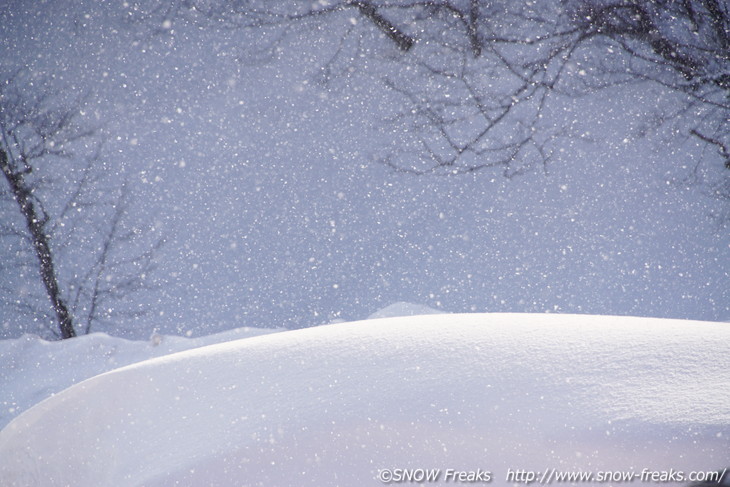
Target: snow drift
x=340, y=404
x=32, y=369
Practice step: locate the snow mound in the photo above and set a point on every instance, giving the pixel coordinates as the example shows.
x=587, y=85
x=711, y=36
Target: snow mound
x=339, y=404
x=403, y=308
x=32, y=369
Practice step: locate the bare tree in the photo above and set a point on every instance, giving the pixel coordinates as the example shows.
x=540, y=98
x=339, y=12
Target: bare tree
x=70, y=214
x=475, y=78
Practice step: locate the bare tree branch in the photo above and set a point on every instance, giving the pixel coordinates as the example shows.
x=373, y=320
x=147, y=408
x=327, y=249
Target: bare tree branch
x=39, y=237
x=370, y=11
x=49, y=158
x=475, y=85
x=722, y=148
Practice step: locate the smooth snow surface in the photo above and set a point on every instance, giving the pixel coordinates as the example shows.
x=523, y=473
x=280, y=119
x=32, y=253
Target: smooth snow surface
x=32, y=369
x=336, y=404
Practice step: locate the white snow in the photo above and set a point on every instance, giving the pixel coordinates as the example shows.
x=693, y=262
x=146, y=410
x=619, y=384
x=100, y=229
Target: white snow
x=338, y=404
x=32, y=369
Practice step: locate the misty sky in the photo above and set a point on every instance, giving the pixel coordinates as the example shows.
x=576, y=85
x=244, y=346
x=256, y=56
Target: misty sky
x=264, y=181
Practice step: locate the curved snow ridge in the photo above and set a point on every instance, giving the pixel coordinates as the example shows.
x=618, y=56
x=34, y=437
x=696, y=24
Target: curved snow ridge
x=32, y=369
x=334, y=404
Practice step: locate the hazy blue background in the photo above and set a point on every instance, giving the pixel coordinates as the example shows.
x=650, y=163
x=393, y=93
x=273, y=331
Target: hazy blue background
x=264, y=181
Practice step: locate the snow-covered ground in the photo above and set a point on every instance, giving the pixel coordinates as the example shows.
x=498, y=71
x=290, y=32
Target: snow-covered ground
x=498, y=395
x=33, y=369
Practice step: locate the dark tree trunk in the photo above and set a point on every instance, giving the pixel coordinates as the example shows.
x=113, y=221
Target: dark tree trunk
x=36, y=228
